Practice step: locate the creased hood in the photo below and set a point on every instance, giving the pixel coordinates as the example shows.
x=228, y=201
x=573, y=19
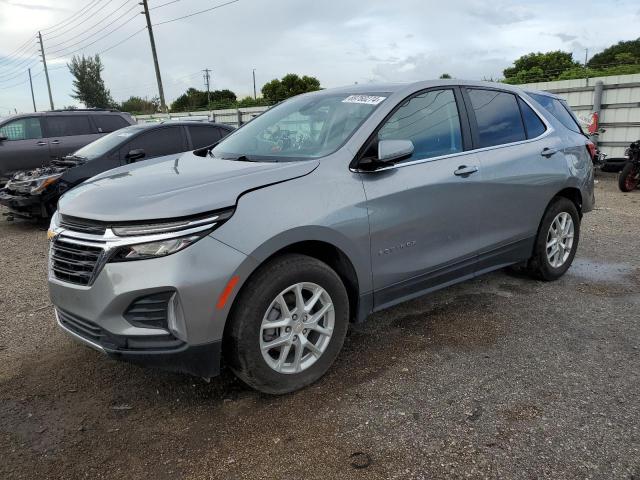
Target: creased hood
x=173, y=186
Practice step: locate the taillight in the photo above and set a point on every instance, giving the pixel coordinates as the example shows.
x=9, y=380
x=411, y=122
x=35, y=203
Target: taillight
x=591, y=148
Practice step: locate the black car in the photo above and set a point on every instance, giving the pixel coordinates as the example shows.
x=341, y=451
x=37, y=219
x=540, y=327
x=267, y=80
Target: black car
x=35, y=193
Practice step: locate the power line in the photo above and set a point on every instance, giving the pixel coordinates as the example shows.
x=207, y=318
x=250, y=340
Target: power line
x=196, y=13
x=18, y=66
x=122, y=41
x=102, y=7
x=59, y=25
x=94, y=33
x=92, y=27
x=95, y=41
x=164, y=4
x=21, y=48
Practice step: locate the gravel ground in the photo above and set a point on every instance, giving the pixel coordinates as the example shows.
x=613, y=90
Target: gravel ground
x=499, y=377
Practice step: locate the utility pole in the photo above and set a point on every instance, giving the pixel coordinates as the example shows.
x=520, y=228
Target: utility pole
x=206, y=83
x=254, y=84
x=46, y=72
x=163, y=105
x=32, y=95
x=586, y=73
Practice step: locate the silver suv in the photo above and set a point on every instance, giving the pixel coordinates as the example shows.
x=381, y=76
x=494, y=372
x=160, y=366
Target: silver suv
x=259, y=251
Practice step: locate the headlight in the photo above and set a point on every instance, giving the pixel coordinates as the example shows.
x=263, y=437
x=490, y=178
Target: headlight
x=41, y=183
x=157, y=249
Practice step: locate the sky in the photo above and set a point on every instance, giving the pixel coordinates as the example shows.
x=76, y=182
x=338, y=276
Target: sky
x=340, y=42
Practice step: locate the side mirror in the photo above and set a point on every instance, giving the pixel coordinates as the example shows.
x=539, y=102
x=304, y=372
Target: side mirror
x=134, y=155
x=394, y=150
x=3, y=137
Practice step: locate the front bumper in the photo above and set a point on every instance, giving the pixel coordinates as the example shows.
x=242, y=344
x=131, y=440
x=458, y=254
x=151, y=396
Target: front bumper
x=23, y=205
x=196, y=276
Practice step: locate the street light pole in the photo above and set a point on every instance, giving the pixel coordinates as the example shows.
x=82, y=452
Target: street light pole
x=163, y=105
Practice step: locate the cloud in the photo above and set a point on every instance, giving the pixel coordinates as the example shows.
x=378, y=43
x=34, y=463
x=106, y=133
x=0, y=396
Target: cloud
x=565, y=37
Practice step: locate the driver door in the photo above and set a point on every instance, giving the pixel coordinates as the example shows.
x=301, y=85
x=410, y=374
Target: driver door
x=423, y=211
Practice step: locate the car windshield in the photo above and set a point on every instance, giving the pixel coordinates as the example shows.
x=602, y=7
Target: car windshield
x=308, y=126
x=107, y=143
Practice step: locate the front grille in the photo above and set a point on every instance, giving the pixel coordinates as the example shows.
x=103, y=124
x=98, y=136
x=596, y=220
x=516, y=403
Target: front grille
x=82, y=225
x=74, y=263
x=150, y=311
x=117, y=343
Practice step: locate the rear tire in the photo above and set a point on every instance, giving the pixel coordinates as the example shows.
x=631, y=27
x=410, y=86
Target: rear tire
x=279, y=304
x=557, y=241
x=629, y=177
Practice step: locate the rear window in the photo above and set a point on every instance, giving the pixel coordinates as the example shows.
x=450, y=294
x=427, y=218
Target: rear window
x=202, y=136
x=558, y=109
x=532, y=123
x=109, y=123
x=497, y=116
x=66, y=126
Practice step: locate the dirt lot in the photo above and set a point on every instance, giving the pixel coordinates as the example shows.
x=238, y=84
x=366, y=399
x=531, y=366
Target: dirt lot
x=500, y=377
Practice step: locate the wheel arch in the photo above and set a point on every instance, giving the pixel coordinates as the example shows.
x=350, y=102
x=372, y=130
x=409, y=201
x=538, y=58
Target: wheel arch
x=571, y=193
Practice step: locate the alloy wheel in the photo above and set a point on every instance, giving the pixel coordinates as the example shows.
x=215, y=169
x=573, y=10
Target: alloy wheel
x=297, y=327
x=560, y=239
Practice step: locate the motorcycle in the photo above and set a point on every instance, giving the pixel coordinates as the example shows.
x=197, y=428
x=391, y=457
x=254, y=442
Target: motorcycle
x=629, y=178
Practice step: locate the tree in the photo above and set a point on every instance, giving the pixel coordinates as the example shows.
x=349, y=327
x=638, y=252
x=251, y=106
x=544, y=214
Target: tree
x=621, y=53
x=253, y=102
x=289, y=86
x=88, y=86
x=539, y=67
x=445, y=75
x=140, y=105
x=194, y=99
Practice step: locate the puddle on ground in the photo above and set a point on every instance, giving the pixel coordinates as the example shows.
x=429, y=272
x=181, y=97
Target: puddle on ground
x=604, y=272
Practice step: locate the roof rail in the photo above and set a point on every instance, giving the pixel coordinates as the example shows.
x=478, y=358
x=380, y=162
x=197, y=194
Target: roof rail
x=85, y=110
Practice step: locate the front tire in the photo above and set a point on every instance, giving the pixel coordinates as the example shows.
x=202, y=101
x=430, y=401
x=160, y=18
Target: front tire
x=629, y=177
x=557, y=241
x=288, y=324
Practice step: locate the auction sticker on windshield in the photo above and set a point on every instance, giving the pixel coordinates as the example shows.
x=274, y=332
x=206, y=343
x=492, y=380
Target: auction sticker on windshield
x=366, y=99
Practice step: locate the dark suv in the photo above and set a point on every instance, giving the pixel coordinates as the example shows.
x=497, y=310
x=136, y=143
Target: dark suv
x=32, y=140
x=34, y=193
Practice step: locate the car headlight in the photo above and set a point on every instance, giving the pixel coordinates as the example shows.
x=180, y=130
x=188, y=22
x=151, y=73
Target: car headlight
x=163, y=237
x=162, y=248
x=39, y=184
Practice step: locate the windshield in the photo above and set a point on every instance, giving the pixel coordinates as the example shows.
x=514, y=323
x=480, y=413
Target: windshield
x=107, y=143
x=309, y=126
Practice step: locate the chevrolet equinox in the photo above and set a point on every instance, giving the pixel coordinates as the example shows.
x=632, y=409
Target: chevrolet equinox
x=332, y=205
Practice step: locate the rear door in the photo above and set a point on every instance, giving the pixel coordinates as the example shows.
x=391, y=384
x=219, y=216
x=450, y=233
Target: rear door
x=519, y=178
x=68, y=132
x=25, y=147
x=423, y=211
x=157, y=142
x=203, y=135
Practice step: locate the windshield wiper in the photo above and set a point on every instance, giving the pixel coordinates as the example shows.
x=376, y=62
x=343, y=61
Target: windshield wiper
x=241, y=158
x=208, y=150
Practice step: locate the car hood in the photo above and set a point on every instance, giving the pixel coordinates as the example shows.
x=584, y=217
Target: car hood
x=173, y=186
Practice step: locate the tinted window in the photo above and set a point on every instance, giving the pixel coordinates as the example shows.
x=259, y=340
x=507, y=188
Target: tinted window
x=109, y=123
x=430, y=121
x=158, y=142
x=59, y=126
x=202, y=135
x=558, y=110
x=108, y=142
x=532, y=123
x=22, y=129
x=498, y=117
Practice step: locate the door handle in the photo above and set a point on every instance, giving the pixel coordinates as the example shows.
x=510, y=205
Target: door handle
x=548, y=151
x=55, y=142
x=465, y=171
x=41, y=144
